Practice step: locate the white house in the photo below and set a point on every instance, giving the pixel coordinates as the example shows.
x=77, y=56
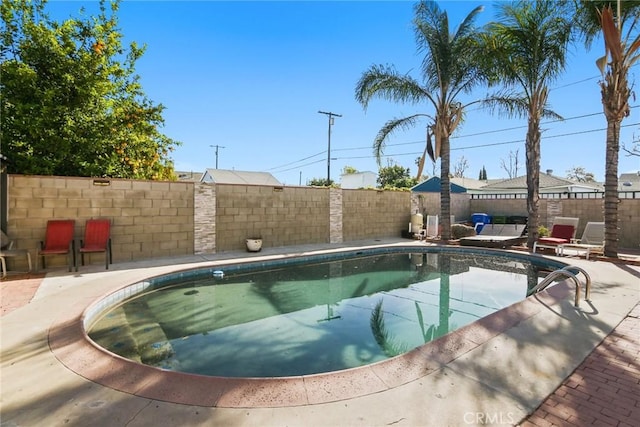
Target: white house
x=356, y=180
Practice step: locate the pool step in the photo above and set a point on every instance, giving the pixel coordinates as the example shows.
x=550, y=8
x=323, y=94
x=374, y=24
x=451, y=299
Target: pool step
x=152, y=343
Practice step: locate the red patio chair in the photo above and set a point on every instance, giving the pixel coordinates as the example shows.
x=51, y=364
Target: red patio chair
x=97, y=238
x=58, y=241
x=560, y=234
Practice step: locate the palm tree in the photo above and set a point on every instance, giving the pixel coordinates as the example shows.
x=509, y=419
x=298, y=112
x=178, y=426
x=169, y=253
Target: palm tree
x=526, y=50
x=447, y=70
x=622, y=50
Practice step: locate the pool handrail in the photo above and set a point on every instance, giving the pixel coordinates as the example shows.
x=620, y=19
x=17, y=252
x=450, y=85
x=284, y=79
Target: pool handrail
x=566, y=271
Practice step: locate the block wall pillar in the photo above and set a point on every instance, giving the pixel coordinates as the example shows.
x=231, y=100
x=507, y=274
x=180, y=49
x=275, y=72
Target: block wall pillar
x=204, y=220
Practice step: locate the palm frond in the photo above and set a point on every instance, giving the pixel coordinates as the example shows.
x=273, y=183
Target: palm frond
x=381, y=334
x=383, y=81
x=507, y=104
x=389, y=128
x=611, y=33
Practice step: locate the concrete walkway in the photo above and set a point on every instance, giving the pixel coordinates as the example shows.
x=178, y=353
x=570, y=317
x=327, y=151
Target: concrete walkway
x=523, y=372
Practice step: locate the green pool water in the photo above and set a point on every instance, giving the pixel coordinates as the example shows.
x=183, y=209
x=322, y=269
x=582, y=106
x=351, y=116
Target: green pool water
x=311, y=318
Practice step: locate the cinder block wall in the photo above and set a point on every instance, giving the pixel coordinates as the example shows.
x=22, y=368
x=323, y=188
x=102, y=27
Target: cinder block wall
x=282, y=216
x=585, y=209
x=149, y=219
x=507, y=207
x=429, y=204
x=153, y=219
x=374, y=213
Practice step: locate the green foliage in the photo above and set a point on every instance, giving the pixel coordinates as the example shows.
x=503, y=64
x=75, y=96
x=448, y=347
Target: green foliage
x=395, y=177
x=525, y=51
x=349, y=170
x=483, y=174
x=72, y=104
x=321, y=182
x=543, y=231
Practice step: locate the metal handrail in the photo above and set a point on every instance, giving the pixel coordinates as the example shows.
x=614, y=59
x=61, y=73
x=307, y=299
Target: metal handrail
x=566, y=271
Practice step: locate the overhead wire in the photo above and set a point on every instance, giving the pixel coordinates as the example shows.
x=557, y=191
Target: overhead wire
x=488, y=144
x=276, y=168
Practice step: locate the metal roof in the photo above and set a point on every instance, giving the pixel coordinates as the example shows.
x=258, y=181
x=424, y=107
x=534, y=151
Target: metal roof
x=224, y=176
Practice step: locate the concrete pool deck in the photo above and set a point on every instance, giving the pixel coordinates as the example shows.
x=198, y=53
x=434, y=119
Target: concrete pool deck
x=510, y=368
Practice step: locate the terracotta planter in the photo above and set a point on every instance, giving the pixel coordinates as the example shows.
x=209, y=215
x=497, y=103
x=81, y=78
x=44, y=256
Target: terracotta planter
x=254, y=244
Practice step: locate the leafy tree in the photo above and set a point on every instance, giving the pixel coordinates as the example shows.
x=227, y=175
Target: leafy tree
x=579, y=174
x=527, y=51
x=620, y=29
x=320, y=182
x=448, y=69
x=349, y=170
x=483, y=174
x=72, y=104
x=395, y=177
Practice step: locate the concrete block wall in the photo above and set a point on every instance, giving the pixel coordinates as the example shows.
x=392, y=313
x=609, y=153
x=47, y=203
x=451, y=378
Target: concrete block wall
x=585, y=209
x=374, y=213
x=429, y=204
x=153, y=219
x=281, y=216
x=506, y=207
x=629, y=220
x=149, y=219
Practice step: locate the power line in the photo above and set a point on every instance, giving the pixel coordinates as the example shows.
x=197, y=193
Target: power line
x=464, y=136
x=490, y=144
x=485, y=132
x=453, y=137
x=300, y=166
x=298, y=161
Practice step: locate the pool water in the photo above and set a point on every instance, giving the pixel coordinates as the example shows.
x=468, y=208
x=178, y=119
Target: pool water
x=306, y=319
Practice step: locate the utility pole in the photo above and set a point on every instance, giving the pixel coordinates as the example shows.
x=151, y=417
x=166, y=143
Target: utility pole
x=216, y=147
x=331, y=116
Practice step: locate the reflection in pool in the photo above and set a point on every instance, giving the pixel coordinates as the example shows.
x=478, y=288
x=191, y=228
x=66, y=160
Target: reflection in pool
x=311, y=318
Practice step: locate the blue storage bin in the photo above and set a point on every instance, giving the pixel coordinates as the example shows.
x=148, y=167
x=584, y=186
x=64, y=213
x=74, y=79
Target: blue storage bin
x=481, y=218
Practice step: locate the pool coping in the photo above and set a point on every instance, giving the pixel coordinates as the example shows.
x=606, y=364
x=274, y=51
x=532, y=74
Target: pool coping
x=70, y=344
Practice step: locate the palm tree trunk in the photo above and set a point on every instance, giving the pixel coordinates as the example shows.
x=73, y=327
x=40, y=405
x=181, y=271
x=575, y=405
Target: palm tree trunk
x=532, y=147
x=611, y=189
x=445, y=189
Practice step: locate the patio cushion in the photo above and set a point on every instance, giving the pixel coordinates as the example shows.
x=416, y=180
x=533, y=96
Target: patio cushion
x=552, y=241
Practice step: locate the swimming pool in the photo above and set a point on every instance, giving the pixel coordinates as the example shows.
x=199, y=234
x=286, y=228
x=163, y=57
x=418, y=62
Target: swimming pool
x=308, y=315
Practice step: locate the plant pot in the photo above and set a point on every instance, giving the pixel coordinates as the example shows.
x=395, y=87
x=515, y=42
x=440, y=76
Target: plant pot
x=254, y=244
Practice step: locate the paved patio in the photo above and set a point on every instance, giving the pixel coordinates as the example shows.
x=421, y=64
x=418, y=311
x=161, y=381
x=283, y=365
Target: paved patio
x=543, y=363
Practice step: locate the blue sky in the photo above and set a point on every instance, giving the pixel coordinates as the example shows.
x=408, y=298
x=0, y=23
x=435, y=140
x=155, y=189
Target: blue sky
x=251, y=77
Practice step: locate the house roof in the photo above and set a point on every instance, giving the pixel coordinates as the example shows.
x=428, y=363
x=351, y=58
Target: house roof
x=223, y=176
x=469, y=183
x=629, y=182
x=432, y=185
x=189, y=176
x=547, y=182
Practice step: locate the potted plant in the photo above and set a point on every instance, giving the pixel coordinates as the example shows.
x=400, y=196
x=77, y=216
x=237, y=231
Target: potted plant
x=254, y=244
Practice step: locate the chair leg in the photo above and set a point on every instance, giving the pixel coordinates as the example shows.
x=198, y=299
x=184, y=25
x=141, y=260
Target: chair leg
x=4, y=267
